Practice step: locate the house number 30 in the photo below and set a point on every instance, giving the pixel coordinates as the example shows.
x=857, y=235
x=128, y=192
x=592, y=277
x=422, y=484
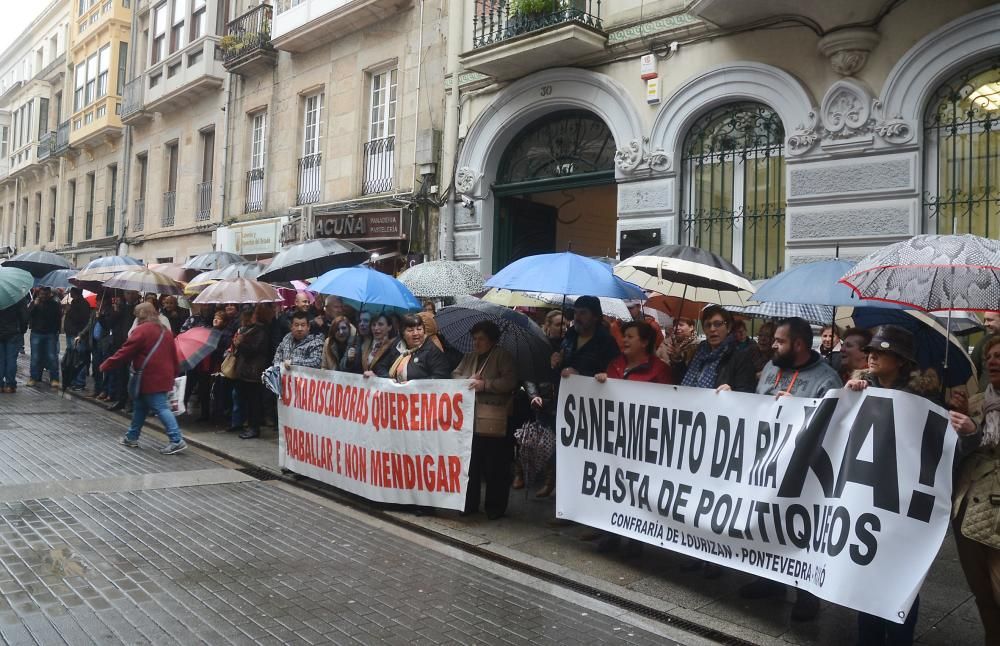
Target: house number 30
x=546, y=90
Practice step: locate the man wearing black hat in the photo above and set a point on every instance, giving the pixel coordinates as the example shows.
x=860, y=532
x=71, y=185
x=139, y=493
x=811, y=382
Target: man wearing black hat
x=797, y=370
x=588, y=347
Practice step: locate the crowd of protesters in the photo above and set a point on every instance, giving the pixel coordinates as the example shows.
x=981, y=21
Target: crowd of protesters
x=325, y=333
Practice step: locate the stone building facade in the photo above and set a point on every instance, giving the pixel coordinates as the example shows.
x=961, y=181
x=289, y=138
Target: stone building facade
x=771, y=133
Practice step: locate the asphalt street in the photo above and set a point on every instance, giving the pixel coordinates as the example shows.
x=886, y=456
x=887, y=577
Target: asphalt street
x=100, y=543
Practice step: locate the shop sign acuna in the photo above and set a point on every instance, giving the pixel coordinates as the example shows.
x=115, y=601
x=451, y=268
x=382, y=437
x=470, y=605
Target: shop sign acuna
x=360, y=225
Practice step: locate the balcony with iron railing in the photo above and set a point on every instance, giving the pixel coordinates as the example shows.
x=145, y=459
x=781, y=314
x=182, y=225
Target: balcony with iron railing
x=254, y=198
x=139, y=215
x=246, y=47
x=169, y=209
x=62, y=139
x=379, y=159
x=133, y=103
x=204, y=210
x=46, y=144
x=515, y=39
x=309, y=179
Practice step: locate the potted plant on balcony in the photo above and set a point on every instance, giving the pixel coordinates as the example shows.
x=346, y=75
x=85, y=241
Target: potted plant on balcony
x=525, y=15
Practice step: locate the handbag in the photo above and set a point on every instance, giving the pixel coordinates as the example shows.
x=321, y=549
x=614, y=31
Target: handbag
x=981, y=522
x=536, y=443
x=135, y=379
x=228, y=368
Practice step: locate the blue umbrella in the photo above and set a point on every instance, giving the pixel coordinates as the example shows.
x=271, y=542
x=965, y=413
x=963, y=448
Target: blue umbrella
x=930, y=340
x=14, y=285
x=369, y=288
x=815, y=283
x=57, y=279
x=563, y=273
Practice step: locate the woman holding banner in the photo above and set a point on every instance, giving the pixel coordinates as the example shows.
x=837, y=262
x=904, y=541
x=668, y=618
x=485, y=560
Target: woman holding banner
x=417, y=356
x=378, y=357
x=892, y=364
x=977, y=491
x=341, y=348
x=494, y=379
x=636, y=363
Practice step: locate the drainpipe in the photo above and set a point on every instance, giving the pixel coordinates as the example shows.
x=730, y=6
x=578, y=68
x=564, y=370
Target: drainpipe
x=416, y=112
x=126, y=162
x=452, y=120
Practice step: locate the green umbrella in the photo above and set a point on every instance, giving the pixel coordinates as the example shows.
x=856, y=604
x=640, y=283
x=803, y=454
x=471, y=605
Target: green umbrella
x=14, y=285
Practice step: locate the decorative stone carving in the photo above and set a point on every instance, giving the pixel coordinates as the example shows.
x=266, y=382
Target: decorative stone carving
x=844, y=120
x=893, y=130
x=635, y=155
x=647, y=197
x=848, y=49
x=465, y=179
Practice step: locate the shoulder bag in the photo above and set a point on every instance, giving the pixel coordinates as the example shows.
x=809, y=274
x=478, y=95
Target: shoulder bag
x=135, y=379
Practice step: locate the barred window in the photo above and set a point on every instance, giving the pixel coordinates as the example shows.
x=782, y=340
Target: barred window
x=732, y=187
x=962, y=154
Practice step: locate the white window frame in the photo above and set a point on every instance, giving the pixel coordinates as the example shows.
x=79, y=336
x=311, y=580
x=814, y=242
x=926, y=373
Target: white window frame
x=199, y=16
x=312, y=122
x=79, y=82
x=178, y=14
x=382, y=102
x=159, y=41
x=258, y=140
x=103, y=68
x=90, y=94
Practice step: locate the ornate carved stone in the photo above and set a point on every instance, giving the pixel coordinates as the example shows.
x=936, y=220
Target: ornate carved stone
x=635, y=155
x=846, y=111
x=848, y=49
x=892, y=130
x=465, y=179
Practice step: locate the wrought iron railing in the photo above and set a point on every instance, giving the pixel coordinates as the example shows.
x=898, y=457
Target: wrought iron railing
x=139, y=214
x=62, y=138
x=378, y=159
x=132, y=97
x=310, y=179
x=109, y=221
x=248, y=33
x=204, y=201
x=88, y=226
x=169, y=208
x=497, y=20
x=254, y=199
x=45, y=145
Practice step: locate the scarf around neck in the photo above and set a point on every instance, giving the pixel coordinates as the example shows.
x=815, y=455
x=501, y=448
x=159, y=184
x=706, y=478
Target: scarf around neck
x=704, y=367
x=398, y=369
x=991, y=418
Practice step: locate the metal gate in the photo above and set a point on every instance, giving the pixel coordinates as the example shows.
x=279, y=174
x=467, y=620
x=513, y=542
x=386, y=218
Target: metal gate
x=732, y=187
x=962, y=154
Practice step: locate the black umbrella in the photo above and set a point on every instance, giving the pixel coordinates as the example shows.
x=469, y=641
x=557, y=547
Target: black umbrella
x=688, y=273
x=213, y=260
x=313, y=258
x=519, y=335
x=38, y=263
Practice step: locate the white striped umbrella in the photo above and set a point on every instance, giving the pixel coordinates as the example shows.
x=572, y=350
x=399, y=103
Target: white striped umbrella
x=688, y=273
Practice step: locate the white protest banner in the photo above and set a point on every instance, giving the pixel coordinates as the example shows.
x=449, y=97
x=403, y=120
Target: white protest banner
x=847, y=497
x=398, y=443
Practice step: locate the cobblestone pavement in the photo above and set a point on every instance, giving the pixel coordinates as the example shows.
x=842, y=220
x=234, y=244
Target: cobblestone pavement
x=104, y=544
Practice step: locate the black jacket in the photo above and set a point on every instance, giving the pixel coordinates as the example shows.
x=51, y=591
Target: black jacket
x=45, y=318
x=592, y=357
x=77, y=317
x=428, y=362
x=13, y=321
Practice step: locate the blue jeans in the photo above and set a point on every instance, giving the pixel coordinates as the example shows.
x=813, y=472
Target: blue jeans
x=44, y=354
x=8, y=362
x=158, y=404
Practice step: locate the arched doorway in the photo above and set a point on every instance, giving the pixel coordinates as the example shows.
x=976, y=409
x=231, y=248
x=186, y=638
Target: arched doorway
x=555, y=189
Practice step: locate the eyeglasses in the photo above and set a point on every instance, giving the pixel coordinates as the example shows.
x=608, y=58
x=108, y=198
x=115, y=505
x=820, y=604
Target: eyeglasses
x=711, y=325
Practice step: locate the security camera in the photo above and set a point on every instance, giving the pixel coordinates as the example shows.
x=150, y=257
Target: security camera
x=468, y=203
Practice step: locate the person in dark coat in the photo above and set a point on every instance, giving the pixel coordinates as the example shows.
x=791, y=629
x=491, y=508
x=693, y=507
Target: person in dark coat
x=381, y=353
x=252, y=347
x=150, y=350
x=588, y=347
x=13, y=324
x=418, y=357
x=176, y=315
x=121, y=322
x=45, y=321
x=717, y=363
x=75, y=321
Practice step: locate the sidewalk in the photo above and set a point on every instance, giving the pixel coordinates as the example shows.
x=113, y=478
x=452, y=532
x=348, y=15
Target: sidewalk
x=657, y=579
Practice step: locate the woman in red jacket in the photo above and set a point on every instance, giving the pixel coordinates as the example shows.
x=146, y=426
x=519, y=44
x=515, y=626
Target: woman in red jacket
x=637, y=361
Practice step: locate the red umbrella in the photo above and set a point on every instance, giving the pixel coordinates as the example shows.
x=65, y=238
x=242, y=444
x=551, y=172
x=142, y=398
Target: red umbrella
x=196, y=344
